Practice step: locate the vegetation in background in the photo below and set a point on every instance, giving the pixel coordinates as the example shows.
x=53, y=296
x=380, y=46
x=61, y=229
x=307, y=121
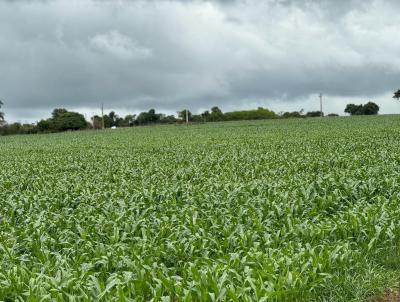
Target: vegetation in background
x=397, y=95
x=314, y=114
x=1, y=114
x=368, y=109
x=293, y=114
x=301, y=209
x=258, y=114
x=63, y=120
x=182, y=115
x=18, y=128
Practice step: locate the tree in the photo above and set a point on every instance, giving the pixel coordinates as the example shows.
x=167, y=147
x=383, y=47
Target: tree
x=1, y=114
x=112, y=119
x=314, y=114
x=397, y=95
x=69, y=121
x=142, y=118
x=58, y=112
x=44, y=126
x=150, y=117
x=257, y=114
x=353, y=109
x=206, y=115
x=294, y=114
x=370, y=109
x=153, y=116
x=18, y=128
x=168, y=119
x=182, y=115
x=63, y=120
x=129, y=120
x=216, y=114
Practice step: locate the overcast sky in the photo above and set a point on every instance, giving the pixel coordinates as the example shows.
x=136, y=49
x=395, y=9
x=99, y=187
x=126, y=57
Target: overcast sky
x=170, y=55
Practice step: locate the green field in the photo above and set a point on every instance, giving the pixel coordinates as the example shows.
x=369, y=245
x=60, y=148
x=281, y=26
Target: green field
x=276, y=210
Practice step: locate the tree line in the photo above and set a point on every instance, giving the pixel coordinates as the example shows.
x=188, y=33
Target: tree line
x=368, y=109
x=64, y=120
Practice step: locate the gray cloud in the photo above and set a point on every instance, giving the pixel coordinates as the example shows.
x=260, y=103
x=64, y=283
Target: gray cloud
x=134, y=55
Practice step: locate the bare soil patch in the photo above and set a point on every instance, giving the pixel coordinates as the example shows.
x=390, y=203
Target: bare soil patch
x=389, y=296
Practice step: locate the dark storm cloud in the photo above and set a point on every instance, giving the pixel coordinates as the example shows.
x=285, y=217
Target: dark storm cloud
x=134, y=55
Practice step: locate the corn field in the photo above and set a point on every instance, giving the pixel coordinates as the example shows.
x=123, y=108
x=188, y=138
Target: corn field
x=279, y=210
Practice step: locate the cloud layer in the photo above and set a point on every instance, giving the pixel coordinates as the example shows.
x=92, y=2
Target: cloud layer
x=135, y=55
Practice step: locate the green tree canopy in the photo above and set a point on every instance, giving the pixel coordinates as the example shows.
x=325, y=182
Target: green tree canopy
x=129, y=120
x=68, y=121
x=58, y=112
x=314, y=114
x=216, y=114
x=44, y=126
x=353, y=109
x=1, y=113
x=257, y=114
x=368, y=109
x=62, y=120
x=397, y=95
x=150, y=117
x=182, y=115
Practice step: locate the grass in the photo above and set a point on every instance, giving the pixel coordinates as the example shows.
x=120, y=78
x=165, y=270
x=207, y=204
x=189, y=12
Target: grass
x=279, y=210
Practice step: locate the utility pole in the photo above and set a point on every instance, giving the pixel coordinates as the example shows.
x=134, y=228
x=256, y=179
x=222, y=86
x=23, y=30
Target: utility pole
x=102, y=116
x=187, y=117
x=320, y=104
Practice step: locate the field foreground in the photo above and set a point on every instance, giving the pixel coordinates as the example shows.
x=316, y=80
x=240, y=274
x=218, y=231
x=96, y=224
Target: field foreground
x=279, y=210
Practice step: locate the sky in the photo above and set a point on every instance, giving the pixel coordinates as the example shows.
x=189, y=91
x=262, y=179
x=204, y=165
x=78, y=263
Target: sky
x=195, y=54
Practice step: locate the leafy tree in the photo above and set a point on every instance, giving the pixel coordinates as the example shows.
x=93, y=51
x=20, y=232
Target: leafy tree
x=197, y=118
x=150, y=117
x=129, y=120
x=168, y=119
x=62, y=120
x=314, y=114
x=58, y=112
x=153, y=116
x=258, y=114
x=112, y=120
x=354, y=109
x=182, y=115
x=68, y=121
x=333, y=114
x=370, y=109
x=108, y=122
x=1, y=114
x=142, y=118
x=397, y=95
x=205, y=115
x=44, y=126
x=216, y=114
x=18, y=128
x=294, y=114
